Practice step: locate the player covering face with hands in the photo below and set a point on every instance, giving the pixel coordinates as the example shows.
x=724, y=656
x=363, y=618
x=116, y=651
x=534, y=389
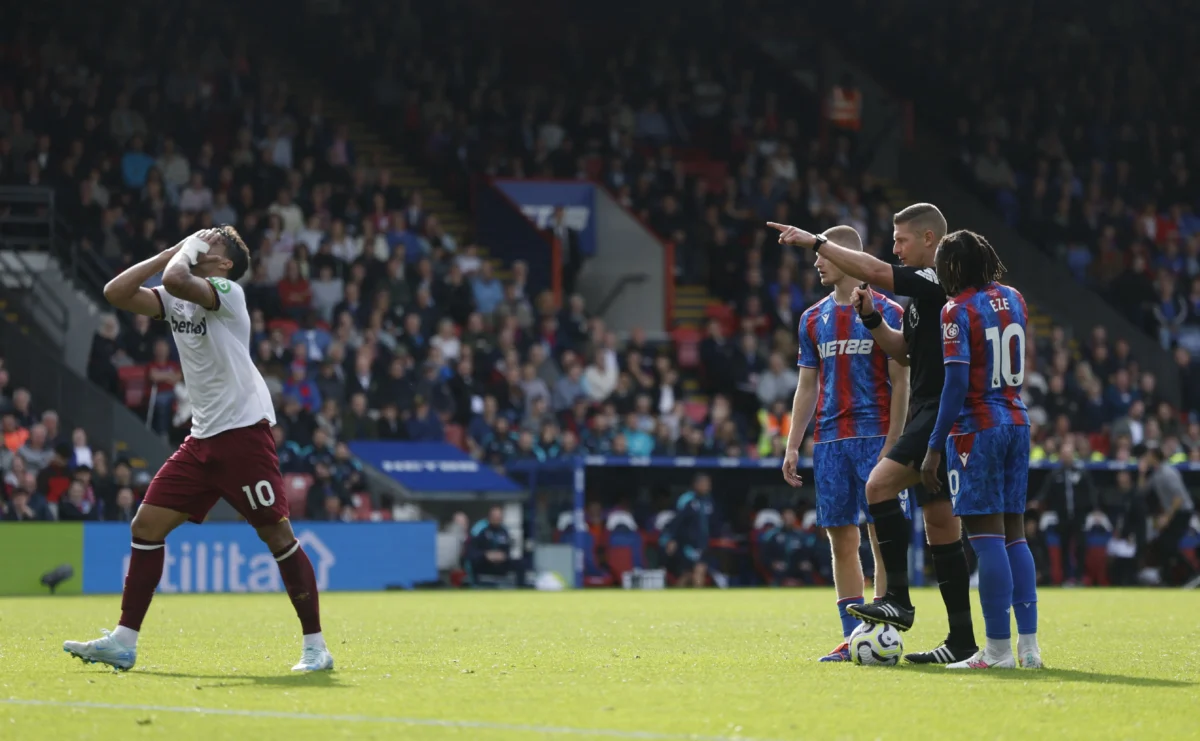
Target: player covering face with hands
x=860, y=398
x=918, y=229
x=230, y=453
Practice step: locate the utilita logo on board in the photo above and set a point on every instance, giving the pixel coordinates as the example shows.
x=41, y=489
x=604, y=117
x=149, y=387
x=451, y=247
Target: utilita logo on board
x=222, y=566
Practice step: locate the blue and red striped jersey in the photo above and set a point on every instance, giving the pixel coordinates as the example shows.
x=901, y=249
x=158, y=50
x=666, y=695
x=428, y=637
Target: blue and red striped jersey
x=855, y=389
x=985, y=328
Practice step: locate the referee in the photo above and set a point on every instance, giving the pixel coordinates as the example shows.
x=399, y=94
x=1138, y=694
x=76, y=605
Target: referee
x=917, y=231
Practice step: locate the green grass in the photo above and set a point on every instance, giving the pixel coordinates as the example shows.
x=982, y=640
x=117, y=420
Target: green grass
x=717, y=664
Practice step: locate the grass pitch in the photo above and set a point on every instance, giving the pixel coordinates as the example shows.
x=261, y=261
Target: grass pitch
x=605, y=665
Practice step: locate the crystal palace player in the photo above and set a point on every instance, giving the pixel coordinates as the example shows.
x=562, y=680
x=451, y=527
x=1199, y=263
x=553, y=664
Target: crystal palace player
x=860, y=406
x=918, y=229
x=983, y=336
x=230, y=453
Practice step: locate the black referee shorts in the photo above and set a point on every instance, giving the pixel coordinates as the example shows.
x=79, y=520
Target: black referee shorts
x=910, y=449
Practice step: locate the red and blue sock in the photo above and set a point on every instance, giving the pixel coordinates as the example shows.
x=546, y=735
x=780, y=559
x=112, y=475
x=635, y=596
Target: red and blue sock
x=849, y=622
x=1024, y=578
x=995, y=585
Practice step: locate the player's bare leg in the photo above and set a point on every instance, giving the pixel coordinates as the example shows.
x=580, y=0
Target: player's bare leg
x=700, y=575
x=847, y=583
x=995, y=593
x=880, y=585
x=301, y=583
x=1024, y=573
x=149, y=529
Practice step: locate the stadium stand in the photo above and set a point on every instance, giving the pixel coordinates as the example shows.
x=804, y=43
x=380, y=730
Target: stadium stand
x=377, y=316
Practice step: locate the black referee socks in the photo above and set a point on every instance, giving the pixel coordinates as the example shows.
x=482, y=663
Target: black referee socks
x=954, y=579
x=894, y=533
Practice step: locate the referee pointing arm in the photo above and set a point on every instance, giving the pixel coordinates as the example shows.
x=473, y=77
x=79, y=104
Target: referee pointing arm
x=918, y=229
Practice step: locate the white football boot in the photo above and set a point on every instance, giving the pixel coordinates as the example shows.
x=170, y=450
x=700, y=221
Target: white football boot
x=314, y=659
x=981, y=660
x=1030, y=659
x=106, y=650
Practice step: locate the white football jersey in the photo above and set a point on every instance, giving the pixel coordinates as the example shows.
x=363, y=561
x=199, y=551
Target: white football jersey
x=226, y=391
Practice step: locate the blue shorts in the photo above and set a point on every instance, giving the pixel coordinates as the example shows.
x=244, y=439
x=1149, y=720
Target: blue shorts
x=988, y=471
x=840, y=470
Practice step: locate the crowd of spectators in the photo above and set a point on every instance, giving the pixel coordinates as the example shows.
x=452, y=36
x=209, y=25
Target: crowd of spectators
x=370, y=321
x=1087, y=146
x=48, y=473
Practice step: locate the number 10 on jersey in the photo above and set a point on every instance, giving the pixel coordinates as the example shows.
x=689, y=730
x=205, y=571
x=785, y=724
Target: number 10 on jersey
x=1003, y=352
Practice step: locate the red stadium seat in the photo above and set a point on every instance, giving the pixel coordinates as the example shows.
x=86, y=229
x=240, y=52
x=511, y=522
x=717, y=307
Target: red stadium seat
x=456, y=436
x=296, y=489
x=687, y=347
x=696, y=411
x=287, y=326
x=620, y=560
x=135, y=387
x=725, y=315
x=1096, y=566
x=362, y=507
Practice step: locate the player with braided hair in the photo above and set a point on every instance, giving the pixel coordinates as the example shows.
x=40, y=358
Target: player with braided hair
x=987, y=450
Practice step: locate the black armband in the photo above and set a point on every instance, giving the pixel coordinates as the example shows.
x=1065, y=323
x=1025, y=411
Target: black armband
x=872, y=320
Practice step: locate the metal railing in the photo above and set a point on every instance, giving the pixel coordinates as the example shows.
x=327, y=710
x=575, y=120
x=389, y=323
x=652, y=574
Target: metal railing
x=79, y=402
x=31, y=288
x=625, y=281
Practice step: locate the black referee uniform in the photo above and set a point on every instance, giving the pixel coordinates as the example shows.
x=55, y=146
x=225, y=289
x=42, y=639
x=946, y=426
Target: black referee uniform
x=927, y=373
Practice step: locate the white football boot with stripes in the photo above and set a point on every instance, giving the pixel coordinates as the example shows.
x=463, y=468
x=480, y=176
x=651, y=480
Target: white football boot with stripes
x=983, y=660
x=106, y=650
x=943, y=654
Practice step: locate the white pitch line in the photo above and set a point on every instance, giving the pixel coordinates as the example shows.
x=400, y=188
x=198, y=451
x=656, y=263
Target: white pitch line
x=428, y=722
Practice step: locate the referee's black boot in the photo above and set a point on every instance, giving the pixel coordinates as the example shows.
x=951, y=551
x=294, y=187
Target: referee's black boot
x=887, y=611
x=946, y=653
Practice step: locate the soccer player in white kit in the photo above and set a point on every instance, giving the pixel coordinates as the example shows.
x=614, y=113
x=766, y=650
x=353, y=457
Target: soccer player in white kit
x=230, y=453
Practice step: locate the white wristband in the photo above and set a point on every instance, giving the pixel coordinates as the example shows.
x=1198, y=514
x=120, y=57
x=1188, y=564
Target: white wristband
x=192, y=248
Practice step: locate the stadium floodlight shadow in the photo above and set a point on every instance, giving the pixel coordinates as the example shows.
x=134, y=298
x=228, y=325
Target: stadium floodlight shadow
x=1050, y=675
x=235, y=679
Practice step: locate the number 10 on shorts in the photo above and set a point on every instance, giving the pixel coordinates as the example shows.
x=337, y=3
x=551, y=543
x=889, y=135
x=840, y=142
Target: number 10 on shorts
x=263, y=494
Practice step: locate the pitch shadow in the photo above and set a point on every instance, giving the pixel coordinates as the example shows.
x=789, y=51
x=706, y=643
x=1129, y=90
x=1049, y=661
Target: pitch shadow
x=1054, y=675
x=234, y=679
